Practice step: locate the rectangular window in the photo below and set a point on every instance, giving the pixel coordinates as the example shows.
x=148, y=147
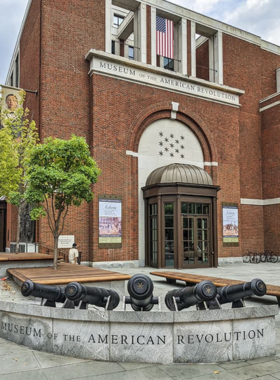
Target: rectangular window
x=113, y=47
x=118, y=20
x=169, y=234
x=130, y=52
x=195, y=208
x=153, y=235
x=17, y=72
x=168, y=64
x=12, y=79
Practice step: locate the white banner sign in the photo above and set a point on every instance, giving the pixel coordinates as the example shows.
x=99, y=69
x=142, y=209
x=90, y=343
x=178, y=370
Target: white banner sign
x=66, y=241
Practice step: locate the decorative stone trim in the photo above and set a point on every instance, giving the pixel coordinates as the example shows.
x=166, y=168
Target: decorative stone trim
x=260, y=202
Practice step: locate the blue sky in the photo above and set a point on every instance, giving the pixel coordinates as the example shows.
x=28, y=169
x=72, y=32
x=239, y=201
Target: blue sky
x=260, y=17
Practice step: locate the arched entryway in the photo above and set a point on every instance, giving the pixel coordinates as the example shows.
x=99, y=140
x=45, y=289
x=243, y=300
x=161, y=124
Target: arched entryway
x=180, y=217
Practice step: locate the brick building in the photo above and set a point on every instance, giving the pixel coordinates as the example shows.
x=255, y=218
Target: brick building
x=188, y=142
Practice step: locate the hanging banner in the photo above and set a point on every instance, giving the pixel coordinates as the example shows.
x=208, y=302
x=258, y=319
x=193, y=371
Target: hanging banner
x=230, y=224
x=9, y=102
x=110, y=222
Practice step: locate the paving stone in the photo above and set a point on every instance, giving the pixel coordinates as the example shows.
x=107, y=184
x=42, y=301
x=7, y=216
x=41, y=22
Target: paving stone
x=18, y=362
x=78, y=371
x=50, y=360
x=153, y=373
x=27, y=375
x=190, y=371
x=256, y=370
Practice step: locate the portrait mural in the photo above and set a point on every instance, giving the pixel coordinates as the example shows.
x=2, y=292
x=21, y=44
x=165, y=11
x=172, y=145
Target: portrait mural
x=9, y=102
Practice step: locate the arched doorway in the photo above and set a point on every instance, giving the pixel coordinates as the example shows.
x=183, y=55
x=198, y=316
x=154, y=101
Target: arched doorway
x=180, y=217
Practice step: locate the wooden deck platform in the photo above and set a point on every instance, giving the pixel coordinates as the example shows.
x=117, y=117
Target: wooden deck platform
x=64, y=274
x=26, y=256
x=192, y=279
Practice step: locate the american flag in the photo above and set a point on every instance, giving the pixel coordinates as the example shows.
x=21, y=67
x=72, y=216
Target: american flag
x=165, y=44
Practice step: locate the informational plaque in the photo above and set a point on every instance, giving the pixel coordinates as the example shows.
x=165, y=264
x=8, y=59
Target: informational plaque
x=230, y=224
x=110, y=221
x=66, y=241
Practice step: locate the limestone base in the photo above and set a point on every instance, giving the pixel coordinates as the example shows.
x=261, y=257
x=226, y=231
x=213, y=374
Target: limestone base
x=144, y=337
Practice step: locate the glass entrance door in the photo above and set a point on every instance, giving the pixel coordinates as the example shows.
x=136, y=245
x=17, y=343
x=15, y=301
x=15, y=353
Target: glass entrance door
x=195, y=241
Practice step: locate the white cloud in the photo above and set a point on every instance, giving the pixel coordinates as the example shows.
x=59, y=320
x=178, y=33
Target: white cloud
x=260, y=17
x=200, y=6
x=11, y=16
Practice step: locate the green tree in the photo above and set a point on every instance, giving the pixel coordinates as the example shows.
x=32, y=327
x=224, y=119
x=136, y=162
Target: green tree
x=59, y=174
x=17, y=136
x=9, y=172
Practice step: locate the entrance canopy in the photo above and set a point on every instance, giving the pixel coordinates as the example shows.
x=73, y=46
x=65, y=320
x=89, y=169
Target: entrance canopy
x=180, y=217
x=179, y=173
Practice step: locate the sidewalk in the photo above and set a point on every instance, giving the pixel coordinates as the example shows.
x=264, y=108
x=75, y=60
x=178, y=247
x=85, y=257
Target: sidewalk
x=17, y=362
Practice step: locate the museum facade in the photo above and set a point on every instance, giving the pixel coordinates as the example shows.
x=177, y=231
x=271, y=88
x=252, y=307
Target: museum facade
x=181, y=113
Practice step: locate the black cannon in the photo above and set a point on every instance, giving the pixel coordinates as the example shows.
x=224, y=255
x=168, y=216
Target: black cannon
x=140, y=288
x=85, y=295
x=237, y=293
x=199, y=295
x=50, y=294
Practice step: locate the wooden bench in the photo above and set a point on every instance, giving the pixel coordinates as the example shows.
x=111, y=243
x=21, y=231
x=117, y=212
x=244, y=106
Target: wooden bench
x=64, y=274
x=26, y=256
x=192, y=279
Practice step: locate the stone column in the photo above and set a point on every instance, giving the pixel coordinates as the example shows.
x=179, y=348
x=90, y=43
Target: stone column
x=108, y=6
x=140, y=33
x=218, y=57
x=143, y=26
x=211, y=60
x=180, y=46
x=193, y=50
x=153, y=36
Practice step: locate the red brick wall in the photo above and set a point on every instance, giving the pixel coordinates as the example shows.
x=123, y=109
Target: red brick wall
x=118, y=112
x=272, y=227
x=30, y=60
x=271, y=169
x=12, y=222
x=110, y=145
x=242, y=67
x=270, y=62
x=202, y=61
x=69, y=30
x=271, y=151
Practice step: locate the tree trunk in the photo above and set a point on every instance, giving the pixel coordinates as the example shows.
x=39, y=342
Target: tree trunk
x=55, y=251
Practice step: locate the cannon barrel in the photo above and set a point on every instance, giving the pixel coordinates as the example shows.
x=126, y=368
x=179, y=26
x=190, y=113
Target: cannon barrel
x=140, y=288
x=232, y=293
x=92, y=295
x=48, y=292
x=191, y=295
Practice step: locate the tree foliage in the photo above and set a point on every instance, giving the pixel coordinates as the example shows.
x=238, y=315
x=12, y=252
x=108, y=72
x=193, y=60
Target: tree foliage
x=10, y=173
x=59, y=175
